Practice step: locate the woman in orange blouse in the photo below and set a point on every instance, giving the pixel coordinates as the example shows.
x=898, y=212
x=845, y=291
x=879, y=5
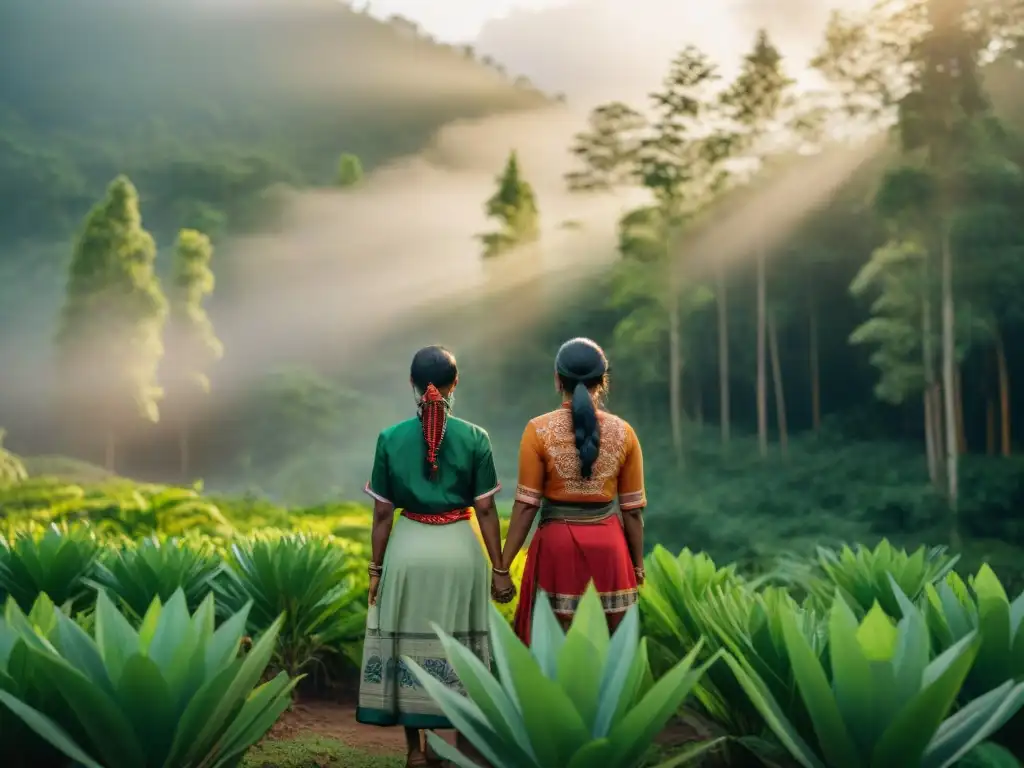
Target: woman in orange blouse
x=574, y=464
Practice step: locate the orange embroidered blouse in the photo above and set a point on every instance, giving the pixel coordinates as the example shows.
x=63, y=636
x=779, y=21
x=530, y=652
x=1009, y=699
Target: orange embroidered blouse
x=549, y=466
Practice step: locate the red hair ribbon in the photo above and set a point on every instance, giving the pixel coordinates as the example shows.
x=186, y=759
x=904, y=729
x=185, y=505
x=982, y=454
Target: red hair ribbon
x=433, y=417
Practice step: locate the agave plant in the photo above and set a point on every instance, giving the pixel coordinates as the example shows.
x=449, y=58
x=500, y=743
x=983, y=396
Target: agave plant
x=880, y=703
x=134, y=575
x=58, y=563
x=21, y=747
x=668, y=599
x=313, y=582
x=174, y=693
x=572, y=699
x=864, y=576
x=955, y=610
x=748, y=625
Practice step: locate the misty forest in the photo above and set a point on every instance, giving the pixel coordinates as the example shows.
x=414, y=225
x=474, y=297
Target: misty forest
x=225, y=228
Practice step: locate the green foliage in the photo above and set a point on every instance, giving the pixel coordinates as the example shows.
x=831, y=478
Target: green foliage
x=135, y=575
x=22, y=747
x=311, y=581
x=59, y=563
x=305, y=751
x=191, y=344
x=109, y=337
x=350, y=171
x=864, y=577
x=174, y=693
x=514, y=207
x=570, y=699
x=12, y=469
x=880, y=700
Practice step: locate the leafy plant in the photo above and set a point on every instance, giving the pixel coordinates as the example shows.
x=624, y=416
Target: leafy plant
x=864, y=576
x=573, y=699
x=956, y=610
x=58, y=563
x=12, y=470
x=135, y=575
x=307, y=578
x=174, y=693
x=21, y=747
x=880, y=703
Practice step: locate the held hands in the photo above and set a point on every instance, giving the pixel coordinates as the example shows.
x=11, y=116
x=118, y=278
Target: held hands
x=502, y=589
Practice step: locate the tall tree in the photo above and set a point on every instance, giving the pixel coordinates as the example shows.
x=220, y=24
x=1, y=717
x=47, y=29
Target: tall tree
x=192, y=346
x=755, y=103
x=350, y=170
x=937, y=119
x=109, y=337
x=608, y=150
x=514, y=207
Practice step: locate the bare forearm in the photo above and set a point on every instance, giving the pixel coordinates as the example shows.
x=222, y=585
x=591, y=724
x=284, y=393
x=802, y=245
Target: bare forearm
x=490, y=530
x=518, y=529
x=633, y=526
x=383, y=518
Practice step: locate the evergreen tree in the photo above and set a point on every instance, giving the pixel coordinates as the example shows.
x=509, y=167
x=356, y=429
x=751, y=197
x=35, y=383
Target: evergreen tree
x=350, y=171
x=192, y=345
x=109, y=337
x=514, y=206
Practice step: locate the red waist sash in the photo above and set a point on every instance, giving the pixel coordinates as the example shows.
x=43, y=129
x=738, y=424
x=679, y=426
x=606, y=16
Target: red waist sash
x=444, y=518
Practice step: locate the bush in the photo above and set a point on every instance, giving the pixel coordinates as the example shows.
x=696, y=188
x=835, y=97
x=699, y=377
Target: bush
x=174, y=693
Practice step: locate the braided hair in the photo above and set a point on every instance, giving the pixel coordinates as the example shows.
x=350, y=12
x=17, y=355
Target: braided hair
x=433, y=368
x=582, y=368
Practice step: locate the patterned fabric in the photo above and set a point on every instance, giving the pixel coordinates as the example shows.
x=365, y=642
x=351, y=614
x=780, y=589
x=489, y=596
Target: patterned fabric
x=564, y=558
x=401, y=475
x=446, y=518
x=432, y=574
x=549, y=466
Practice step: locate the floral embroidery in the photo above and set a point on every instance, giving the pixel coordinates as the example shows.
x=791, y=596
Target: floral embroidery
x=559, y=441
x=374, y=672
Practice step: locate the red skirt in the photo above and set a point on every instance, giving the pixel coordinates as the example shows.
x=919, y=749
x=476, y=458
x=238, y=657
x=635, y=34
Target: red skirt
x=564, y=558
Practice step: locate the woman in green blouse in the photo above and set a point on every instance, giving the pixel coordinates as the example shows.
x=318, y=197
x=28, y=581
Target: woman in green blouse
x=427, y=565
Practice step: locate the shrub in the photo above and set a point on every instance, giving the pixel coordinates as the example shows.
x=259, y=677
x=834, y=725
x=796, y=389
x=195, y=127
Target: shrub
x=174, y=693
x=573, y=699
x=320, y=590
x=58, y=563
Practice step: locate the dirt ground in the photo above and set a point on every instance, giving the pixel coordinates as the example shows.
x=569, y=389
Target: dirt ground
x=337, y=720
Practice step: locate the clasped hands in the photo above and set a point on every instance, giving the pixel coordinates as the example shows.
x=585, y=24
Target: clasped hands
x=502, y=588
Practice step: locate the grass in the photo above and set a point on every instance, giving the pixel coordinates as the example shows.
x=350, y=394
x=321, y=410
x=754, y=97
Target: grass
x=315, y=752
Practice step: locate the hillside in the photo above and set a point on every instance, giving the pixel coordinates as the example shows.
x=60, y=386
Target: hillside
x=207, y=104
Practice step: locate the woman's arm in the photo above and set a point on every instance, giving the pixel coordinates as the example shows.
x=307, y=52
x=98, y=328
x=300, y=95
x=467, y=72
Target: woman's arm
x=523, y=515
x=383, y=519
x=633, y=526
x=632, y=501
x=490, y=528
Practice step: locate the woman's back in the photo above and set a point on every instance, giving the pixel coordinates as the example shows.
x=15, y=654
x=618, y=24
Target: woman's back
x=549, y=463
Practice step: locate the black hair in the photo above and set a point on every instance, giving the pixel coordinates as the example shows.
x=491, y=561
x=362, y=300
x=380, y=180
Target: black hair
x=433, y=365
x=582, y=367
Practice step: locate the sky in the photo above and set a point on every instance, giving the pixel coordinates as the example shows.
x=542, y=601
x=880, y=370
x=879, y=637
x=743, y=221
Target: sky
x=597, y=50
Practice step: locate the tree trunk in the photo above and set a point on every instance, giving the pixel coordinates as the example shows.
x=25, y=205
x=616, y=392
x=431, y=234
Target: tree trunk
x=930, y=447
x=990, y=426
x=939, y=432
x=698, y=403
x=183, y=450
x=932, y=412
x=1004, y=395
x=949, y=382
x=110, y=459
x=723, y=354
x=675, y=376
x=780, y=397
x=815, y=365
x=961, y=430
x=762, y=384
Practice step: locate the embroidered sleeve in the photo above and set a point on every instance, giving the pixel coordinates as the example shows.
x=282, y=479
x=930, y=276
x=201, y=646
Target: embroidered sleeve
x=485, y=477
x=530, y=483
x=379, y=486
x=631, y=477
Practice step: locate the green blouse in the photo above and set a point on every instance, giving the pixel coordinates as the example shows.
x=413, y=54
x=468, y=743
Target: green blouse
x=465, y=468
